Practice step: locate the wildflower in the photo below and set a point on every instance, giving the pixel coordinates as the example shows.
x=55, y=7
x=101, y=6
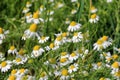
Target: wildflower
x=73, y=56
x=97, y=66
x=117, y=49
x=77, y=37
x=28, y=4
x=22, y=72
x=12, y=77
x=117, y=75
x=64, y=55
x=5, y=66
x=13, y=72
x=31, y=32
x=102, y=43
x=73, y=68
x=12, y=50
x=28, y=17
x=51, y=46
x=37, y=51
x=64, y=74
x=74, y=26
x=73, y=0
x=59, y=5
x=36, y=18
x=42, y=8
x=64, y=61
x=58, y=41
x=102, y=78
x=50, y=12
x=115, y=67
x=43, y=76
x=25, y=10
x=3, y=34
x=115, y=56
x=93, y=9
x=43, y=39
x=94, y=18
x=19, y=60
x=67, y=21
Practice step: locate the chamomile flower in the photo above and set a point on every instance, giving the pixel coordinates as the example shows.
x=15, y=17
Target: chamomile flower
x=102, y=43
x=94, y=18
x=22, y=72
x=73, y=0
x=64, y=55
x=58, y=41
x=97, y=65
x=5, y=66
x=64, y=74
x=117, y=75
x=67, y=21
x=12, y=50
x=19, y=60
x=36, y=19
x=102, y=78
x=117, y=49
x=77, y=37
x=37, y=51
x=74, y=26
x=52, y=46
x=12, y=77
x=28, y=4
x=31, y=32
x=3, y=34
x=42, y=8
x=25, y=10
x=73, y=68
x=43, y=76
x=108, y=1
x=73, y=56
x=28, y=17
x=43, y=39
x=115, y=66
x=93, y=9
x=64, y=61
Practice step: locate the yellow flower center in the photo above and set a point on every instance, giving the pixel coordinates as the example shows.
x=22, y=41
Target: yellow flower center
x=28, y=3
x=115, y=56
x=64, y=72
x=117, y=74
x=13, y=71
x=22, y=70
x=3, y=64
x=43, y=38
x=59, y=38
x=99, y=42
x=73, y=54
x=12, y=77
x=73, y=23
x=62, y=60
x=12, y=47
x=33, y=27
x=105, y=38
x=52, y=60
x=63, y=53
x=28, y=14
x=64, y=34
x=76, y=34
x=21, y=52
x=37, y=47
x=93, y=16
x=109, y=59
x=1, y=31
x=43, y=74
x=115, y=65
x=102, y=78
x=51, y=45
x=36, y=15
x=92, y=8
x=72, y=67
x=18, y=59
x=99, y=64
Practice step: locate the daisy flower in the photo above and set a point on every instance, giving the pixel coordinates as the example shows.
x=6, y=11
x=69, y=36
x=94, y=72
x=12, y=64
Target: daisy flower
x=12, y=50
x=21, y=72
x=25, y=10
x=93, y=9
x=73, y=56
x=43, y=39
x=74, y=26
x=42, y=8
x=64, y=61
x=3, y=34
x=37, y=51
x=117, y=75
x=64, y=74
x=31, y=32
x=50, y=12
x=43, y=76
x=77, y=37
x=102, y=78
x=73, y=11
x=117, y=49
x=73, y=68
x=28, y=4
x=64, y=55
x=36, y=18
x=5, y=66
x=67, y=21
x=58, y=41
x=19, y=60
x=94, y=18
x=52, y=46
x=115, y=67
x=102, y=43
x=28, y=17
x=12, y=77
x=97, y=66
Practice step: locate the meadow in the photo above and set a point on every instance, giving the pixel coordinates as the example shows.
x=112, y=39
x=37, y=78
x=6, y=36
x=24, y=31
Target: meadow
x=59, y=40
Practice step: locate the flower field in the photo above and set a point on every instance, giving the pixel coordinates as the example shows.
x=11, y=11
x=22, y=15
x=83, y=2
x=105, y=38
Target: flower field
x=60, y=40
